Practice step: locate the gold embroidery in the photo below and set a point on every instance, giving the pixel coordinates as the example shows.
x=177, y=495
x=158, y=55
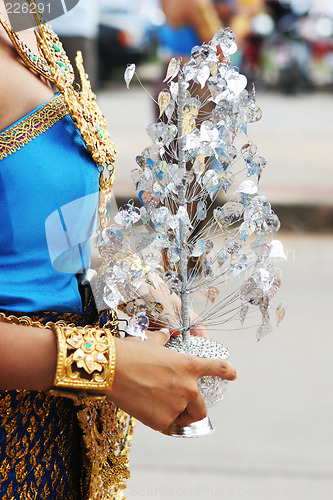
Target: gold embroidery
x=39, y=454
x=31, y=127
x=107, y=435
x=27, y=321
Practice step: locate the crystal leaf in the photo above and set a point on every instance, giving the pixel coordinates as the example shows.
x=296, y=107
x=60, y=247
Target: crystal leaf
x=113, y=298
x=199, y=248
x=263, y=330
x=161, y=241
x=188, y=125
x=261, y=251
x=236, y=82
x=161, y=133
x=170, y=110
x=201, y=210
x=203, y=75
x=112, y=236
x=128, y=215
x=274, y=287
x=247, y=287
x=264, y=278
x=243, y=313
x=254, y=296
x=144, y=162
x=129, y=73
x=152, y=260
x=254, y=113
x=163, y=101
x=233, y=245
x=272, y=224
x=149, y=200
x=277, y=250
x=173, y=69
x=137, y=327
x=210, y=292
x=227, y=40
x=241, y=265
x=173, y=256
x=210, y=182
x=137, y=177
x=174, y=281
x=232, y=210
x=217, y=87
x=229, y=51
x=208, y=132
x=203, y=53
x=174, y=87
x=280, y=313
x=221, y=257
x=160, y=216
x=218, y=37
x=248, y=187
x=199, y=165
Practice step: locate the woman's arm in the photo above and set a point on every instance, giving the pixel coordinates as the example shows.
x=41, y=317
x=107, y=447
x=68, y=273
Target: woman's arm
x=152, y=383
x=27, y=358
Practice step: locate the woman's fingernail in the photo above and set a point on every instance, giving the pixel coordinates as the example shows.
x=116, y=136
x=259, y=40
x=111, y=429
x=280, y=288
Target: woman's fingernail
x=165, y=330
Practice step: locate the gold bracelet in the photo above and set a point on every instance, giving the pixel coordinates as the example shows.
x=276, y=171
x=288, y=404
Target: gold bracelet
x=85, y=359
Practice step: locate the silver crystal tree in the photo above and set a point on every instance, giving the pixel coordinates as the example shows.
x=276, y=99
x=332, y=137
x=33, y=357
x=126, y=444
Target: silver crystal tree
x=204, y=229
x=204, y=237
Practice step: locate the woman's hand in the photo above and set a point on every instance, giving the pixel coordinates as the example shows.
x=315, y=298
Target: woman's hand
x=158, y=292
x=159, y=386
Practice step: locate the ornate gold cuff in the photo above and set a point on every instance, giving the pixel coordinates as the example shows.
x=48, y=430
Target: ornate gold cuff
x=85, y=359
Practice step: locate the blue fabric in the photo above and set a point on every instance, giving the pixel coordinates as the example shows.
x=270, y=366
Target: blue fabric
x=179, y=40
x=40, y=447
x=48, y=192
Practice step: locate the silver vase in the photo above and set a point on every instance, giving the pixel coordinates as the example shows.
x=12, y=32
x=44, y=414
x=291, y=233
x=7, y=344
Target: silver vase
x=211, y=388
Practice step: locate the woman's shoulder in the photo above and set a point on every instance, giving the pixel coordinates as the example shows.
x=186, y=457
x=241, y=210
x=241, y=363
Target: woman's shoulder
x=21, y=90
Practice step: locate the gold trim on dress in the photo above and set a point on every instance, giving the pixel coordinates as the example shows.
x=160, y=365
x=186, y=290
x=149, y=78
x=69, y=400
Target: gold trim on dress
x=20, y=134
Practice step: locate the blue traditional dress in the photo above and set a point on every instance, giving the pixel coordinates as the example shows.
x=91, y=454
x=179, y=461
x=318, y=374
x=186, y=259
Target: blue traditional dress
x=52, y=447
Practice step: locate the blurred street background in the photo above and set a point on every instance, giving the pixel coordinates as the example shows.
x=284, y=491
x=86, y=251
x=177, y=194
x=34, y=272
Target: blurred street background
x=274, y=432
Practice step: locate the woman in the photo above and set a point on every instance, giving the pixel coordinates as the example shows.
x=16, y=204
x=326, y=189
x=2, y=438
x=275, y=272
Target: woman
x=188, y=23
x=58, y=445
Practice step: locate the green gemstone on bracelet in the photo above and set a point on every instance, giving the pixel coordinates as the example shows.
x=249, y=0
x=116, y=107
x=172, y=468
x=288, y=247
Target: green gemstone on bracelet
x=88, y=345
x=56, y=47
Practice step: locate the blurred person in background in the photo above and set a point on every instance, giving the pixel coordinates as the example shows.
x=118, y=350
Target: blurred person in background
x=78, y=30
x=226, y=9
x=188, y=23
x=248, y=57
